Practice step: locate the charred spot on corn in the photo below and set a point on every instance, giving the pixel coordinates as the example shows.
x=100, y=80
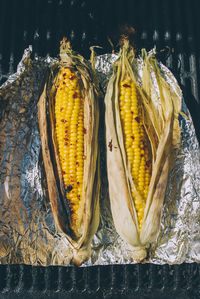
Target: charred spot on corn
x=69, y=187
x=126, y=85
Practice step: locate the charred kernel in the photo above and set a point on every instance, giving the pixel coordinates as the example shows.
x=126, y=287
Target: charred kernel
x=69, y=188
x=75, y=95
x=148, y=163
x=61, y=108
x=126, y=85
x=72, y=77
x=137, y=119
x=63, y=120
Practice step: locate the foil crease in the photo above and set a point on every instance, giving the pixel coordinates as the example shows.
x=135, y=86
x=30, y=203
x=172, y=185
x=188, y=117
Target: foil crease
x=27, y=230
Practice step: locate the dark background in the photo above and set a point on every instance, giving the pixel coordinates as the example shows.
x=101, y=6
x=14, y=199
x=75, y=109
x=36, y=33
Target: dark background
x=174, y=28
x=172, y=25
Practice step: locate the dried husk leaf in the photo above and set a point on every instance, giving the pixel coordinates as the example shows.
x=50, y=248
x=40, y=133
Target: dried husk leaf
x=162, y=128
x=88, y=212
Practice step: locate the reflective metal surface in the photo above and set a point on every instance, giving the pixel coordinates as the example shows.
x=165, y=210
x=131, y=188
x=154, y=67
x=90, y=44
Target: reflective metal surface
x=28, y=233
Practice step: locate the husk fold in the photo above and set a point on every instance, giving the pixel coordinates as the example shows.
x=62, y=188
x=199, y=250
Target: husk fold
x=163, y=131
x=88, y=213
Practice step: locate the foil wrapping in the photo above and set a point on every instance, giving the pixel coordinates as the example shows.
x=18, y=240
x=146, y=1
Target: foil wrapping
x=27, y=230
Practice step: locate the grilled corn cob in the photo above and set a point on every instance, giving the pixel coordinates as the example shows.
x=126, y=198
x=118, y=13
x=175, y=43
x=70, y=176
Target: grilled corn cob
x=68, y=119
x=137, y=146
x=140, y=138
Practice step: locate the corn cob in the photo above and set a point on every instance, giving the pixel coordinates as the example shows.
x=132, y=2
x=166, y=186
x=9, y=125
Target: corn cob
x=69, y=117
x=140, y=138
x=136, y=143
x=70, y=149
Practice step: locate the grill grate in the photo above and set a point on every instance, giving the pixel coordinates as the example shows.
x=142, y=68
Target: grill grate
x=42, y=24
x=145, y=281
x=158, y=23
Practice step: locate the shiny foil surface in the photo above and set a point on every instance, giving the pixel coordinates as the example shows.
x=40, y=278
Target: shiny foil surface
x=27, y=230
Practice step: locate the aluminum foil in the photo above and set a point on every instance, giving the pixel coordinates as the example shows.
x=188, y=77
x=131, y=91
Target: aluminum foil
x=27, y=230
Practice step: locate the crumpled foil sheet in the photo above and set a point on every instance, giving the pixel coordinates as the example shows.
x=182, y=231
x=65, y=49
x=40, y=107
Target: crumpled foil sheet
x=27, y=230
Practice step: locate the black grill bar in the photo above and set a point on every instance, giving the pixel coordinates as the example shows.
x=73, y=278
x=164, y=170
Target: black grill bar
x=146, y=281
x=43, y=23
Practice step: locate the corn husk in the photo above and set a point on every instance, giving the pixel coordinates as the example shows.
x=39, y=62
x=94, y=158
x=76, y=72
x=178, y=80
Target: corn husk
x=160, y=119
x=88, y=213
